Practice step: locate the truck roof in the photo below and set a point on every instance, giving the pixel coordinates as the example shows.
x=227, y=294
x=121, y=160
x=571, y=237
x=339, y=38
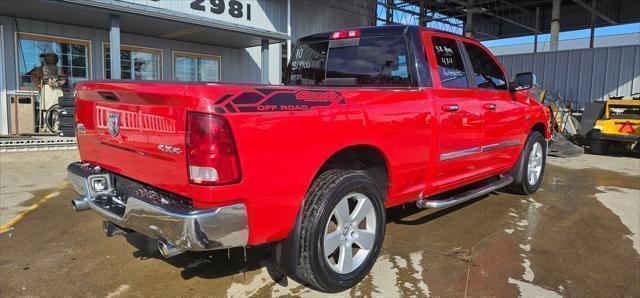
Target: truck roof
x=386, y=30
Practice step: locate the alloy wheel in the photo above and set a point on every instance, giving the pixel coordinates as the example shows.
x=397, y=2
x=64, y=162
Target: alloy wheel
x=350, y=233
x=534, y=167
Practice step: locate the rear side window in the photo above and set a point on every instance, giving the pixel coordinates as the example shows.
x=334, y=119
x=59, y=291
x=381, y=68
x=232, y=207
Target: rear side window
x=450, y=64
x=486, y=71
x=307, y=64
x=366, y=61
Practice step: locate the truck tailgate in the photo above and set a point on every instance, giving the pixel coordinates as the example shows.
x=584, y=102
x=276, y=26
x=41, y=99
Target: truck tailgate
x=136, y=130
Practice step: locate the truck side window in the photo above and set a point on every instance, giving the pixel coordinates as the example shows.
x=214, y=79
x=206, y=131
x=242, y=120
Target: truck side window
x=449, y=61
x=486, y=71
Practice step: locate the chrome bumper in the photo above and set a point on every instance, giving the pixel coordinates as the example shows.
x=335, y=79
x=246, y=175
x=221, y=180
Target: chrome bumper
x=205, y=229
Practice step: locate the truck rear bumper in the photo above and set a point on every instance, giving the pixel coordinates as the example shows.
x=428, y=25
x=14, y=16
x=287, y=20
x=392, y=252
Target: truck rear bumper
x=615, y=137
x=197, y=229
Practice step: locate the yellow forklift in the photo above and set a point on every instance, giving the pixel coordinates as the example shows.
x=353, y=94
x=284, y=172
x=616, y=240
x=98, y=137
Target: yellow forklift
x=618, y=125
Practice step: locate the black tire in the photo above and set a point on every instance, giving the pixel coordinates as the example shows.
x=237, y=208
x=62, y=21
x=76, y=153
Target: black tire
x=67, y=111
x=66, y=131
x=521, y=184
x=599, y=147
x=66, y=120
x=67, y=101
x=326, y=192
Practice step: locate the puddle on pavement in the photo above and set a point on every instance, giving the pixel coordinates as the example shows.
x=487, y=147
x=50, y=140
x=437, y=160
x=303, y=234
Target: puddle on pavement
x=553, y=243
x=574, y=237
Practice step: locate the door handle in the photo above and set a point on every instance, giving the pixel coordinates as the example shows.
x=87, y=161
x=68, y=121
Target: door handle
x=489, y=106
x=450, y=107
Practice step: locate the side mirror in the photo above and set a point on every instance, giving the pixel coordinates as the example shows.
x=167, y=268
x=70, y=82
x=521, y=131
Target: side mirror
x=524, y=80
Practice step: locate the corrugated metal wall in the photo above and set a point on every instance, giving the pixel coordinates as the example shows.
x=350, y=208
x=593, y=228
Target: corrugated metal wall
x=583, y=75
x=309, y=17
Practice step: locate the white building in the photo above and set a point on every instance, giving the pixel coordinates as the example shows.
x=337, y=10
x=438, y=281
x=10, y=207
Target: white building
x=190, y=40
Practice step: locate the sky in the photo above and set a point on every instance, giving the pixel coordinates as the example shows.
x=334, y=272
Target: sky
x=609, y=30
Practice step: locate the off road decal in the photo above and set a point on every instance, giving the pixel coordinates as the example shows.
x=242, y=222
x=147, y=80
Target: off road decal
x=274, y=100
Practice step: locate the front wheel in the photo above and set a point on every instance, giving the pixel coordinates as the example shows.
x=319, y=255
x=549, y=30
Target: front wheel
x=342, y=230
x=529, y=170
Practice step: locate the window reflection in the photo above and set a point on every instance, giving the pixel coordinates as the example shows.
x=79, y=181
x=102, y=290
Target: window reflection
x=135, y=63
x=73, y=58
x=192, y=67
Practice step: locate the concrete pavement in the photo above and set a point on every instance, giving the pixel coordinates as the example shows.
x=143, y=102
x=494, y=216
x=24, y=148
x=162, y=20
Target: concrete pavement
x=578, y=236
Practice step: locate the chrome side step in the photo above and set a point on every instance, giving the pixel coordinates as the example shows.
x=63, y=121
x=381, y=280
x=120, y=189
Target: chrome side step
x=468, y=195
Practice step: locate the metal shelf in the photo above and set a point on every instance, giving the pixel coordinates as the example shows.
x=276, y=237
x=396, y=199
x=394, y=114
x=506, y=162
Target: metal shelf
x=44, y=143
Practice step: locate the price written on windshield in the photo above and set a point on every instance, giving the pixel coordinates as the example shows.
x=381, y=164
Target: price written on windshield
x=298, y=62
x=446, y=54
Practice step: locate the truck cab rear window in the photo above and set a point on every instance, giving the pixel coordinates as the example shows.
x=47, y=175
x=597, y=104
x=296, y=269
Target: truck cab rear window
x=366, y=61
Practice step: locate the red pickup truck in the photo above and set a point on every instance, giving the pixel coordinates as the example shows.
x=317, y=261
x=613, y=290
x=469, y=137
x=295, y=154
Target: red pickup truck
x=368, y=118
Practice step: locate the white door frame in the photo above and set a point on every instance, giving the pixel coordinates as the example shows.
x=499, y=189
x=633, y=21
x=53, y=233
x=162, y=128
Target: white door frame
x=4, y=105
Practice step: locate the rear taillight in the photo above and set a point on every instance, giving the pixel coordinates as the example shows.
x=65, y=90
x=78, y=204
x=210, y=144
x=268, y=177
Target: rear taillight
x=211, y=152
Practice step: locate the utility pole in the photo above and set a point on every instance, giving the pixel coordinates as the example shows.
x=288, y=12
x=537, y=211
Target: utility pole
x=593, y=25
x=390, y=6
x=535, y=36
x=555, y=25
x=114, y=46
x=422, y=21
x=468, y=23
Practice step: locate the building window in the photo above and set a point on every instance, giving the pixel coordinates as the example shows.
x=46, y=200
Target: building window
x=135, y=63
x=195, y=67
x=73, y=58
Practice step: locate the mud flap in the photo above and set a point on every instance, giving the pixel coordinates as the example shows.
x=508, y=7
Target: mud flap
x=286, y=253
x=516, y=171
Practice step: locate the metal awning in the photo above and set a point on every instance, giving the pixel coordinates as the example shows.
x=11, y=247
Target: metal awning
x=495, y=19
x=148, y=21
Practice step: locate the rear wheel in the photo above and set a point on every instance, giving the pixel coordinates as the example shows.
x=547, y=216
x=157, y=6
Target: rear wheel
x=529, y=170
x=342, y=230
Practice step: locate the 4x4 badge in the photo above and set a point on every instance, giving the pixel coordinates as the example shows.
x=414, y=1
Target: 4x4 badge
x=113, y=123
x=169, y=149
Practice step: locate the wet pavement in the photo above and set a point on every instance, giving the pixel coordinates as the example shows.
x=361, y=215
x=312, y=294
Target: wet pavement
x=578, y=236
